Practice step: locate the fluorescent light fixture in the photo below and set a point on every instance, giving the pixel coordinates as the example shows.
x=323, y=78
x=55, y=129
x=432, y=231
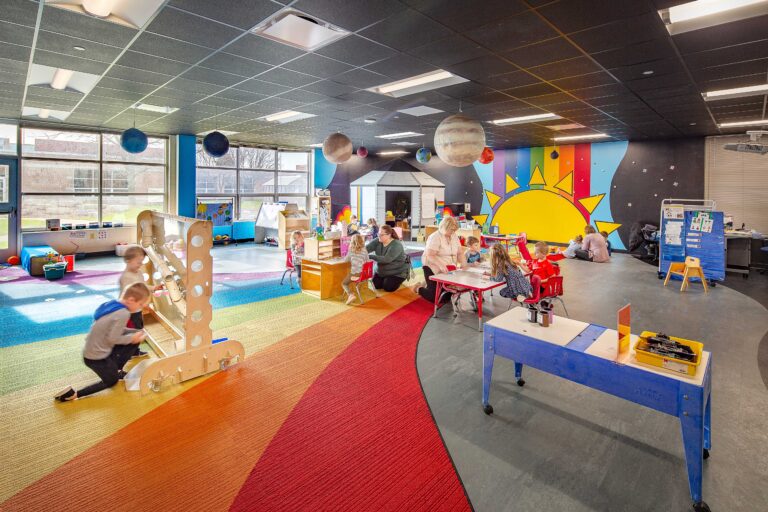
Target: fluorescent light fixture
x=223, y=132
x=399, y=135
x=421, y=110
x=708, y=13
x=44, y=113
x=155, y=108
x=759, y=122
x=738, y=92
x=405, y=144
x=99, y=8
x=418, y=83
x=286, y=116
x=61, y=78
x=394, y=152
x=299, y=30
x=369, y=120
x=316, y=145
x=585, y=136
x=525, y=119
x=130, y=13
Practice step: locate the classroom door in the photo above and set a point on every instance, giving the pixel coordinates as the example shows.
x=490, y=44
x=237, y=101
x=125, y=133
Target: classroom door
x=8, y=215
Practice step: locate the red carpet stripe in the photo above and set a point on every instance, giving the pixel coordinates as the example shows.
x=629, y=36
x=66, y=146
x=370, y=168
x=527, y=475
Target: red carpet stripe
x=362, y=437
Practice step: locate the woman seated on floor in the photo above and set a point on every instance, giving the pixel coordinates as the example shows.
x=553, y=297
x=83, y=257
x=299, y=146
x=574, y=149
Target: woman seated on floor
x=392, y=265
x=594, y=247
x=442, y=249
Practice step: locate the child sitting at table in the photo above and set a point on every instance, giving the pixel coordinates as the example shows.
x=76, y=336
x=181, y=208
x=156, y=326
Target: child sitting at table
x=357, y=256
x=352, y=227
x=297, y=252
x=540, y=265
x=504, y=269
x=474, y=257
x=374, y=227
x=573, y=246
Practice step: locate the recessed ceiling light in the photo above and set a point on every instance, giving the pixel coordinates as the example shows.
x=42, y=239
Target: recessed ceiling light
x=299, y=30
x=79, y=48
x=691, y=124
x=155, y=108
x=585, y=136
x=648, y=72
x=737, y=92
x=399, y=135
x=418, y=83
x=758, y=122
x=525, y=119
x=369, y=120
x=286, y=116
x=61, y=78
x=98, y=8
x=709, y=13
x=419, y=111
x=44, y=113
x=394, y=152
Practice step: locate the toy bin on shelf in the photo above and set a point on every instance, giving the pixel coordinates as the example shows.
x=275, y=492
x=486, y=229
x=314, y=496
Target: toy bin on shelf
x=34, y=257
x=668, y=363
x=54, y=271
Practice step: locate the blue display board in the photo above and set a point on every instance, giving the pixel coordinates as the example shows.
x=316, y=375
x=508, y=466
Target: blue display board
x=701, y=235
x=218, y=211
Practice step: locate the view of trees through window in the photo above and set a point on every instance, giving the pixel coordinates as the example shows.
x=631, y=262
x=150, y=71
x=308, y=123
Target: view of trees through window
x=253, y=176
x=82, y=177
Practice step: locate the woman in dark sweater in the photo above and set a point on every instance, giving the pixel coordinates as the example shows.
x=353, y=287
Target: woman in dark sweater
x=392, y=267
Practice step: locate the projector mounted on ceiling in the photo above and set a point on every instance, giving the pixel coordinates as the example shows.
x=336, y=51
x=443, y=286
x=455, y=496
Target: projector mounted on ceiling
x=753, y=146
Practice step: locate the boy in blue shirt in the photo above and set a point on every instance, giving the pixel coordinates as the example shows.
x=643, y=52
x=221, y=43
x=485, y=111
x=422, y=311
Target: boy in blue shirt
x=109, y=345
x=474, y=257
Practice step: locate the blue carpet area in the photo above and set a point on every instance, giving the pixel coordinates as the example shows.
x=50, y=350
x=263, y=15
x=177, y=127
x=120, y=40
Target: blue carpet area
x=31, y=312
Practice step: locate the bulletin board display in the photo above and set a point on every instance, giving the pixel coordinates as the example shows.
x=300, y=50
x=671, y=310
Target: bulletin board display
x=697, y=233
x=220, y=211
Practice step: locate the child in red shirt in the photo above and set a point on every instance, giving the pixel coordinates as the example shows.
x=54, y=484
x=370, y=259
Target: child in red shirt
x=540, y=265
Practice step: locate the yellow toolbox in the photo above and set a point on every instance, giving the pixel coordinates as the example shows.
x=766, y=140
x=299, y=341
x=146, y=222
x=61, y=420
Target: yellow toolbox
x=676, y=365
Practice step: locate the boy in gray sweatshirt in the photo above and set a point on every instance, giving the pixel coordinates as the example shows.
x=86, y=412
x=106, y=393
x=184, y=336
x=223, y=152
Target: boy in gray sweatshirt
x=109, y=345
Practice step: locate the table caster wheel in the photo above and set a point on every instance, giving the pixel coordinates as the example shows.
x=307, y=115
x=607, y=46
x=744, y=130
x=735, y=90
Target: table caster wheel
x=706, y=454
x=712, y=284
x=660, y=275
x=521, y=382
x=488, y=409
x=701, y=507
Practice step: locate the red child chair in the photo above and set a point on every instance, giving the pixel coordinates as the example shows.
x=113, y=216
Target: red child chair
x=366, y=274
x=290, y=268
x=553, y=290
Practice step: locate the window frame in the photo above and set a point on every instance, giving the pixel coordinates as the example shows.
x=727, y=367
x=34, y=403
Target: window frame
x=101, y=162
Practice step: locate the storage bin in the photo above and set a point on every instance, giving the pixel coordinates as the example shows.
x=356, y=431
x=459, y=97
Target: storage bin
x=668, y=363
x=54, y=271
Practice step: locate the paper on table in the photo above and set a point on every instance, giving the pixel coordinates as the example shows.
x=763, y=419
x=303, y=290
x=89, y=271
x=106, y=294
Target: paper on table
x=477, y=270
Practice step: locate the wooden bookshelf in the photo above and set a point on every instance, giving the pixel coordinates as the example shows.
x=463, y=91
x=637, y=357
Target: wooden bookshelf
x=322, y=249
x=323, y=278
x=289, y=221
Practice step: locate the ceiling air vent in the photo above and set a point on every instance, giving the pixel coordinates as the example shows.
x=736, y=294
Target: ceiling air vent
x=299, y=30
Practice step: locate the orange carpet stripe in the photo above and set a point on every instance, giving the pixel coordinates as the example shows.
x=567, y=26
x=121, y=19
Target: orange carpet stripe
x=195, y=451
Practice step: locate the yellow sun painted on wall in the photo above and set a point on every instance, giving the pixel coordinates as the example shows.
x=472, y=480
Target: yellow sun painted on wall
x=544, y=210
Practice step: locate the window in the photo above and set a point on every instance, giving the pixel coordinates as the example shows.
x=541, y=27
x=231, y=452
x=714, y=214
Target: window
x=8, y=139
x=254, y=176
x=84, y=177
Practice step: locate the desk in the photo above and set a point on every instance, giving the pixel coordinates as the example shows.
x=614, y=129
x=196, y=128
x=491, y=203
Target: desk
x=322, y=278
x=738, y=252
x=475, y=282
x=466, y=233
x=583, y=353
x=502, y=239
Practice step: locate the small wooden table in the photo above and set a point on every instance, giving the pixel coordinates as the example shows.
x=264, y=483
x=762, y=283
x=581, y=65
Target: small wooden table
x=585, y=353
x=323, y=278
x=475, y=282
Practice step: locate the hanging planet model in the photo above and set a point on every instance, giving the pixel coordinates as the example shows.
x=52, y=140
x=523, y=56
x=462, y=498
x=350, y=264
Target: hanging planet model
x=133, y=140
x=459, y=140
x=486, y=156
x=423, y=155
x=216, y=144
x=362, y=151
x=337, y=148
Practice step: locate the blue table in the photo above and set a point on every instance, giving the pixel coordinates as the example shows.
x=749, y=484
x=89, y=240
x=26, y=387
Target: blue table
x=585, y=353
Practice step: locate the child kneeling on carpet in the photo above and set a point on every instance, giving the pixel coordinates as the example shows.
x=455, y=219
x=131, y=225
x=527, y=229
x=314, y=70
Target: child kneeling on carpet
x=504, y=269
x=297, y=252
x=357, y=256
x=109, y=345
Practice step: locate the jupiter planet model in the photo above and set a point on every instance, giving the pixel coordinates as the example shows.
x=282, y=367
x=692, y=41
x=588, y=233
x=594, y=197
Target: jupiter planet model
x=459, y=140
x=337, y=148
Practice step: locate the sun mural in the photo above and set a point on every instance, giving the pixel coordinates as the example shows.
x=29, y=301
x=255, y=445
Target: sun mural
x=549, y=199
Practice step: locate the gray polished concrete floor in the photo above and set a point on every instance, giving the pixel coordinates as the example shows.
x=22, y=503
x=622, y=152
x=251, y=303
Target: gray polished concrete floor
x=556, y=445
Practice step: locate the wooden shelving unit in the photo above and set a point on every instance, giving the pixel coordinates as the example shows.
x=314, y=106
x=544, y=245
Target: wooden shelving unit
x=322, y=249
x=289, y=221
x=323, y=278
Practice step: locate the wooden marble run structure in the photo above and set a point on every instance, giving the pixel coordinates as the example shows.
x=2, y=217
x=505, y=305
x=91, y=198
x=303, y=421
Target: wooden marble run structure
x=178, y=320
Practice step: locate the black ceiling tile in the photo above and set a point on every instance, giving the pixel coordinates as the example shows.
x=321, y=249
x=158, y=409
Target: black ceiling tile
x=614, y=99
x=21, y=12
x=118, y=84
x=62, y=21
x=464, y=90
x=621, y=33
x=183, y=84
x=238, y=95
x=653, y=82
x=584, y=81
x=551, y=50
x=671, y=90
x=406, y=29
x=599, y=91
x=151, y=63
x=211, y=76
x=137, y=75
x=400, y=67
x=346, y=16
x=16, y=34
x=658, y=67
x=738, y=69
x=481, y=68
x=750, y=101
x=15, y=52
x=449, y=50
x=168, y=48
x=508, y=80
x=241, y=14
x=520, y=30
x=529, y=91
x=261, y=87
x=360, y=78
x=57, y=60
x=574, y=15
x=303, y=96
x=727, y=34
x=461, y=15
x=329, y=88
x=729, y=83
x=727, y=55
x=646, y=51
x=356, y=51
x=550, y=99
x=287, y=77
x=233, y=64
x=362, y=97
x=192, y=29
x=491, y=97
x=566, y=68
x=317, y=65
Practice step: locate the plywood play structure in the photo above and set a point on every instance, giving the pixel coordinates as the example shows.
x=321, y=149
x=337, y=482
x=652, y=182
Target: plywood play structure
x=178, y=320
